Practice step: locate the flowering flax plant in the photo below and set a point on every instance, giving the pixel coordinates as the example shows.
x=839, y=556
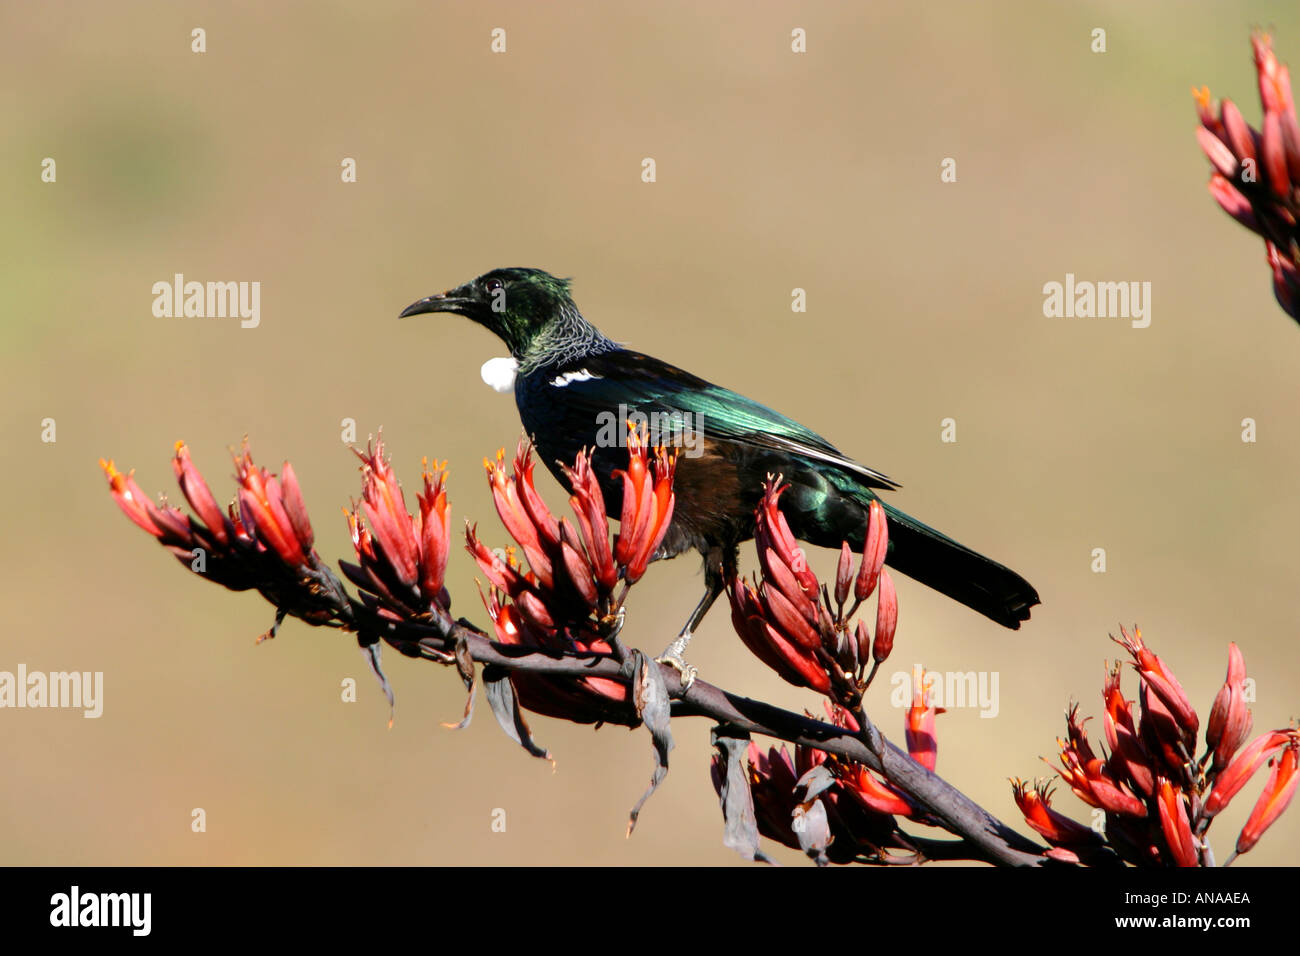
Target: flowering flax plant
x=864, y=813
x=402, y=557
x=1256, y=177
x=797, y=626
x=263, y=540
x=1157, y=799
x=570, y=599
x=557, y=600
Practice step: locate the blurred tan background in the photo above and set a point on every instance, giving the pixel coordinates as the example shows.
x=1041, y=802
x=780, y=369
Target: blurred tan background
x=775, y=171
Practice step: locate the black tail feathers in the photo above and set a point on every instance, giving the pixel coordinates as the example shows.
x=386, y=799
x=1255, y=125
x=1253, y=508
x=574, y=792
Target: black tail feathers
x=953, y=569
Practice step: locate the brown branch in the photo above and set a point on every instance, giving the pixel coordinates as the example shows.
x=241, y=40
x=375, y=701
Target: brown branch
x=990, y=839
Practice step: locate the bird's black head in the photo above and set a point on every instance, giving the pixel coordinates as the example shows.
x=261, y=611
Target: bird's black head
x=519, y=305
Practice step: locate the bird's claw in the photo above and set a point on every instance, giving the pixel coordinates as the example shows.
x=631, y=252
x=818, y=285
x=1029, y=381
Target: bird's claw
x=688, y=671
x=672, y=656
x=615, y=624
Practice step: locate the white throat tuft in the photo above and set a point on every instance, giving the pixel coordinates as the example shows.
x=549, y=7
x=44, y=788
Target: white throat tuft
x=500, y=373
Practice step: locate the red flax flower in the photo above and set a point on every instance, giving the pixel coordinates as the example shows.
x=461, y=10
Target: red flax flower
x=921, y=741
x=1129, y=761
x=586, y=700
x=273, y=511
x=1176, y=826
x=402, y=557
x=1157, y=798
x=1278, y=792
x=166, y=524
x=873, y=793
x=569, y=600
x=1089, y=777
x=1236, y=775
x=774, y=778
x=647, y=506
x=796, y=626
x=1067, y=836
x=1256, y=177
x=1169, y=723
x=1230, y=719
x=264, y=540
x=270, y=518
x=862, y=810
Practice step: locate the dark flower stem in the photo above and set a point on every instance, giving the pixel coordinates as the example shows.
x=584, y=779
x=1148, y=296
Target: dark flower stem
x=989, y=839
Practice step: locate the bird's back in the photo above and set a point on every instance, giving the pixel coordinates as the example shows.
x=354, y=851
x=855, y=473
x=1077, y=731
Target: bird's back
x=727, y=445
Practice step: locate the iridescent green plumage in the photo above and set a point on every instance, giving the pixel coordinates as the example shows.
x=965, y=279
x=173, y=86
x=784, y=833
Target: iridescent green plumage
x=572, y=381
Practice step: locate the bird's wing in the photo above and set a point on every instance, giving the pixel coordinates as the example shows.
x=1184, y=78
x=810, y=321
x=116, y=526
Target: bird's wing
x=602, y=382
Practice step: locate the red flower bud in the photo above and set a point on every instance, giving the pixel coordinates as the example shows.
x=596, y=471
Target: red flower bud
x=1239, y=136
x=886, y=619
x=1175, y=825
x=130, y=498
x=402, y=558
x=1228, y=783
x=787, y=618
x=789, y=659
x=874, y=795
x=778, y=553
x=1232, y=202
x=1273, y=154
x=588, y=503
x=1129, y=760
x=919, y=725
x=199, y=496
x=576, y=567
x=263, y=513
x=874, y=550
x=1257, y=173
x=843, y=574
x=648, y=502
x=863, y=636
x=520, y=522
x=435, y=529
x=1088, y=777
x=1218, y=153
x=1278, y=791
x=1230, y=719
x=1035, y=802
x=1164, y=685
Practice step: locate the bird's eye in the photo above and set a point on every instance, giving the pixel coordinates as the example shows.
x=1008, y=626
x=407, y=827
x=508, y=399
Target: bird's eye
x=493, y=285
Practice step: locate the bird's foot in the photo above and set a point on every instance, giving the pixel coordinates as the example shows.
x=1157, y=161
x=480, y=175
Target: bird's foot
x=672, y=656
x=615, y=624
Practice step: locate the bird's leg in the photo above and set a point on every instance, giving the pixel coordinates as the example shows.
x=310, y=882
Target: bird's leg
x=620, y=652
x=717, y=568
x=672, y=655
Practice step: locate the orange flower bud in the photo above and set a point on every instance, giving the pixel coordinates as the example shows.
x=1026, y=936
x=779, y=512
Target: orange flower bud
x=922, y=744
x=1278, y=791
x=1175, y=825
x=1228, y=783
x=1035, y=802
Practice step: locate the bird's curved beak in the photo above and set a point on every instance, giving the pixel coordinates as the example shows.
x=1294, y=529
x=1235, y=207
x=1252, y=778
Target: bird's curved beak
x=442, y=302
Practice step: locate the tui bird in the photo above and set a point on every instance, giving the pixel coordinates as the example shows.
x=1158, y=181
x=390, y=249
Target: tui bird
x=575, y=388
